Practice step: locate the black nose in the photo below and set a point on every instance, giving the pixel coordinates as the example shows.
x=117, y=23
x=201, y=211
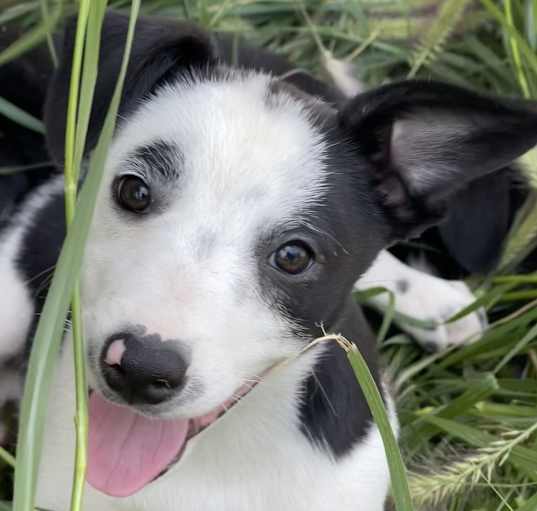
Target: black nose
x=143, y=369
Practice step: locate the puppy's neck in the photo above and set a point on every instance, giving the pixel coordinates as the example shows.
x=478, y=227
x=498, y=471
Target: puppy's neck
x=334, y=411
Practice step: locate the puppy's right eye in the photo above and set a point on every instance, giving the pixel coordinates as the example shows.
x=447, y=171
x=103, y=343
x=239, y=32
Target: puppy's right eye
x=293, y=257
x=132, y=194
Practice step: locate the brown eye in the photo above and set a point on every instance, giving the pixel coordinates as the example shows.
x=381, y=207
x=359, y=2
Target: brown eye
x=293, y=257
x=133, y=194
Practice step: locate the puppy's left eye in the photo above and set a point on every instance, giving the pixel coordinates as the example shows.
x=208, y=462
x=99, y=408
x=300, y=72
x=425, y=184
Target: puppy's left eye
x=132, y=194
x=294, y=257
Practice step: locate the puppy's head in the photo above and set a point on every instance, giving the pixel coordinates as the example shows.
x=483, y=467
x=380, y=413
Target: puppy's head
x=236, y=213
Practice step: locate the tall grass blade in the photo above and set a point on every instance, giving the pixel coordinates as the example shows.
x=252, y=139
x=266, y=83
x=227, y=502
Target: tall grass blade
x=18, y=115
x=7, y=170
x=50, y=327
x=515, y=51
x=50, y=40
x=443, y=25
x=6, y=457
x=517, y=348
x=16, y=12
x=523, y=457
x=477, y=392
x=400, y=490
x=524, y=47
x=529, y=505
x=31, y=38
x=522, y=237
x=90, y=18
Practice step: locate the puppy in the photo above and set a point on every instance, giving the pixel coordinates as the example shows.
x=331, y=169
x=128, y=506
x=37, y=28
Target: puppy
x=236, y=213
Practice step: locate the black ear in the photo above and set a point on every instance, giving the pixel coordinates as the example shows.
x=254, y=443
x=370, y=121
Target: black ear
x=478, y=221
x=162, y=48
x=426, y=141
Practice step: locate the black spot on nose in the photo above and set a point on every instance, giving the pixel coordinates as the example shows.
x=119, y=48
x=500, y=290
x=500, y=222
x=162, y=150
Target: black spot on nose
x=143, y=369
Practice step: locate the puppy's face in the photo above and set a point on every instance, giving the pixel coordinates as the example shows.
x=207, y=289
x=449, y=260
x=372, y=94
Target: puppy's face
x=221, y=242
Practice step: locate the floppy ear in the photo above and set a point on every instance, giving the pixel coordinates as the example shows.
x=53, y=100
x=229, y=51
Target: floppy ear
x=160, y=50
x=425, y=141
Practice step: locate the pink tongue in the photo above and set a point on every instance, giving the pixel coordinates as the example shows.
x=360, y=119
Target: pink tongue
x=126, y=450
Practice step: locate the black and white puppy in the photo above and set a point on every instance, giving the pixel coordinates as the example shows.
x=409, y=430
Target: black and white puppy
x=237, y=211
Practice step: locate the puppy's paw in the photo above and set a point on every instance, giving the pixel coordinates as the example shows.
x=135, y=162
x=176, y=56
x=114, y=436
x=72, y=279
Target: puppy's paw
x=436, y=301
x=430, y=300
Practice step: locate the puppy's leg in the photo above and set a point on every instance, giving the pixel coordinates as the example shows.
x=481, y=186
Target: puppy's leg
x=427, y=298
x=18, y=305
x=16, y=313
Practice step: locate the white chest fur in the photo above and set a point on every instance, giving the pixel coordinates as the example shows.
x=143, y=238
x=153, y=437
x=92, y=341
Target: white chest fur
x=254, y=458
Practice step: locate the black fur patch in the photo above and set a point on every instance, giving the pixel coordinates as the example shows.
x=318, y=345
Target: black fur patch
x=334, y=413
x=23, y=82
x=162, y=49
x=40, y=249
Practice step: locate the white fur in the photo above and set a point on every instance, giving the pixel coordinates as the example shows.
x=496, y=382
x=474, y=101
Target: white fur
x=416, y=141
x=253, y=459
x=247, y=167
x=427, y=298
x=16, y=306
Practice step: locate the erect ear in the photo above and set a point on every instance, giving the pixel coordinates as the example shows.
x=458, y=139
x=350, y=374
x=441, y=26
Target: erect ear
x=162, y=48
x=426, y=141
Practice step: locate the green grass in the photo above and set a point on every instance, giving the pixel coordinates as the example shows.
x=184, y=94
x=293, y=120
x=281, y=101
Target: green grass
x=468, y=416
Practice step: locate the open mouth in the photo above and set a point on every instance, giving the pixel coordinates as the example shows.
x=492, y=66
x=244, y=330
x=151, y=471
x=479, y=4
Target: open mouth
x=127, y=451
